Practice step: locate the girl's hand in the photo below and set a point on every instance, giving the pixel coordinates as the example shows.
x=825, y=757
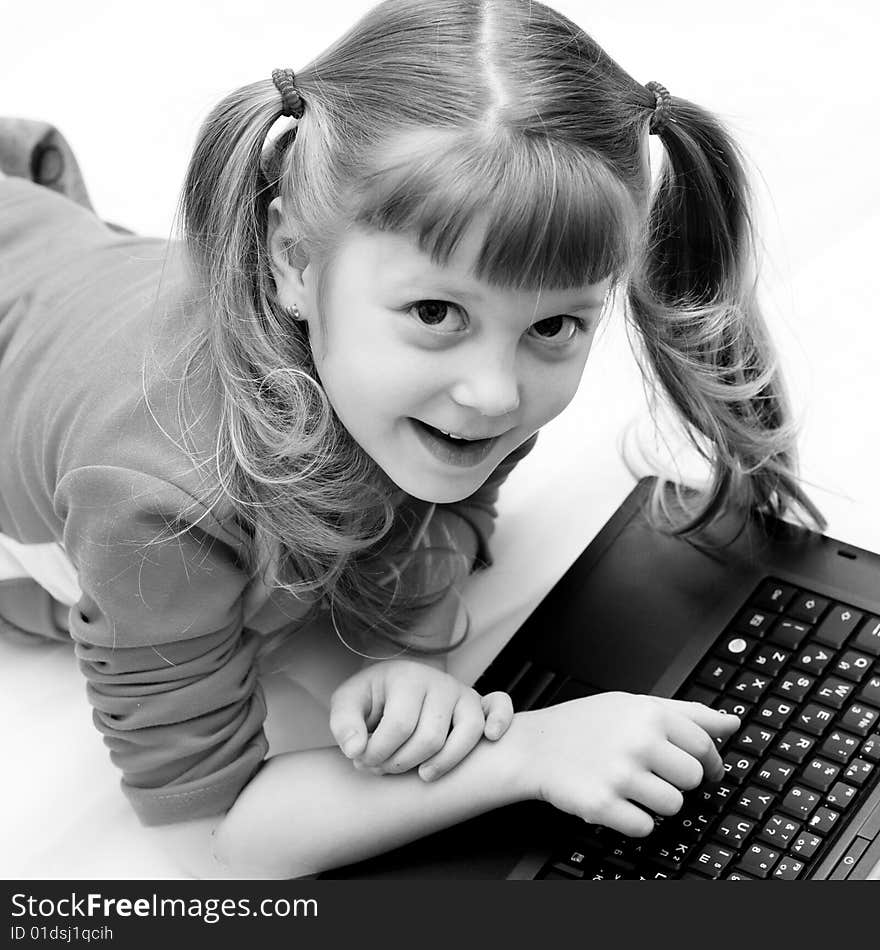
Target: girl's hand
x=612, y=758
x=396, y=715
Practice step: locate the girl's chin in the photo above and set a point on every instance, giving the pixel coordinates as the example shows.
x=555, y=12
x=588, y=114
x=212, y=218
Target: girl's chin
x=434, y=470
x=436, y=491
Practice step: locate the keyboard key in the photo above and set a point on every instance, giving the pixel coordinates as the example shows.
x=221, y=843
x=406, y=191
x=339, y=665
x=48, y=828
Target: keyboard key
x=853, y=666
x=774, y=773
x=870, y=749
x=838, y=624
x=834, y=692
x=627, y=857
x=572, y=861
x=670, y=854
x=754, y=802
x=800, y=802
x=806, y=844
x=758, y=860
x=774, y=595
x=868, y=639
x=858, y=772
x=794, y=685
x=739, y=876
x=749, y=686
x=768, y=658
x=840, y=746
x=717, y=796
x=870, y=692
x=625, y=852
x=715, y=673
x=733, y=830
x=755, y=738
x=711, y=859
x=734, y=649
x=754, y=622
x=859, y=719
x=788, y=869
x=788, y=633
x=774, y=712
x=779, y=831
x=823, y=820
x=807, y=607
x=814, y=719
x=794, y=746
x=731, y=706
x=820, y=774
x=841, y=795
x=690, y=823
x=814, y=658
x=737, y=765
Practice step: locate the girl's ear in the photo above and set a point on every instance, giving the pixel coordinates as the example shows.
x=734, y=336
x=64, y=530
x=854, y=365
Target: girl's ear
x=287, y=266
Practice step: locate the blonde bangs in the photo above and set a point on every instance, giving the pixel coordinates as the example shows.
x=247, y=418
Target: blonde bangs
x=554, y=218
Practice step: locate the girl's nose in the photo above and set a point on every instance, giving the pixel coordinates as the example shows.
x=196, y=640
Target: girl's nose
x=490, y=388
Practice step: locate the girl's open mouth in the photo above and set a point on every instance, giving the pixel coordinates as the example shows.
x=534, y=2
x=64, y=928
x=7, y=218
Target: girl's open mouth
x=459, y=452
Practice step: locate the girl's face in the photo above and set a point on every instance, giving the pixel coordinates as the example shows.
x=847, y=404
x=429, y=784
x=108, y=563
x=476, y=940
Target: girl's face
x=408, y=350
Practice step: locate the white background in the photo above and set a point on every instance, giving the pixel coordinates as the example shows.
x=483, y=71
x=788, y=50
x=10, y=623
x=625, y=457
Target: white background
x=128, y=85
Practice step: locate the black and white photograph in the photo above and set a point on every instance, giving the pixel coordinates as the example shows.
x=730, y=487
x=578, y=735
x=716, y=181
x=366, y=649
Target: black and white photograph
x=439, y=442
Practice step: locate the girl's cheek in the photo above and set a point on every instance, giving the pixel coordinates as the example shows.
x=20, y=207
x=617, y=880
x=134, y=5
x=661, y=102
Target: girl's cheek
x=555, y=391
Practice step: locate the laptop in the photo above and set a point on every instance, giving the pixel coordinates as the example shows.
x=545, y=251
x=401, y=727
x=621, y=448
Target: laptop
x=780, y=625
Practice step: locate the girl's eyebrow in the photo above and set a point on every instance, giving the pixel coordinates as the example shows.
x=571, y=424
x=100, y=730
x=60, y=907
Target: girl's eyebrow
x=476, y=296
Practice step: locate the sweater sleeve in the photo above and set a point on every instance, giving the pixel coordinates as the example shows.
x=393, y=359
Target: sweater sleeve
x=159, y=636
x=476, y=514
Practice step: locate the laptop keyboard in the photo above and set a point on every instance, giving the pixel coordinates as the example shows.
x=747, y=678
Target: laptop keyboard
x=803, y=673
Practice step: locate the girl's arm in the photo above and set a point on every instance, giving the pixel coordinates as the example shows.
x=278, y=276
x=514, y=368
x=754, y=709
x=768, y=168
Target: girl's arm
x=611, y=759
x=308, y=811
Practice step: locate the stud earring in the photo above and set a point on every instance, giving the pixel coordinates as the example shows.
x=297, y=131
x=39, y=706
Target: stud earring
x=293, y=312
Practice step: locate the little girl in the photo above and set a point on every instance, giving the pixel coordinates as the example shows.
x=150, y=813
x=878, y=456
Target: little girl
x=301, y=413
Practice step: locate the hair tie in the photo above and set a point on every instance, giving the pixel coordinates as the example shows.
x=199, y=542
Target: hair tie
x=291, y=101
x=662, y=107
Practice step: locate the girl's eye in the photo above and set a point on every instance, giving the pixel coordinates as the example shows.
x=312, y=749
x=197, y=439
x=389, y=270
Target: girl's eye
x=557, y=330
x=438, y=316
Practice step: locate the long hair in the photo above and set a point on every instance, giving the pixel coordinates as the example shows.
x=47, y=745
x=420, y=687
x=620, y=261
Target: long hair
x=701, y=339
x=425, y=116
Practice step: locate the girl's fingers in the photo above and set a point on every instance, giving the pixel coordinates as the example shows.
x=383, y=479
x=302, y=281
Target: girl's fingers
x=625, y=817
x=350, y=709
x=714, y=722
x=429, y=737
x=498, y=712
x=676, y=766
x=694, y=740
x=467, y=730
x=400, y=717
x=655, y=794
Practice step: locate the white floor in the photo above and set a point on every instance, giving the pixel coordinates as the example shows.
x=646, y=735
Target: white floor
x=795, y=81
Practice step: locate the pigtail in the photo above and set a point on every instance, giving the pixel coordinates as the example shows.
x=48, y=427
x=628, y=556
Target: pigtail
x=224, y=177
x=692, y=301
x=308, y=495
